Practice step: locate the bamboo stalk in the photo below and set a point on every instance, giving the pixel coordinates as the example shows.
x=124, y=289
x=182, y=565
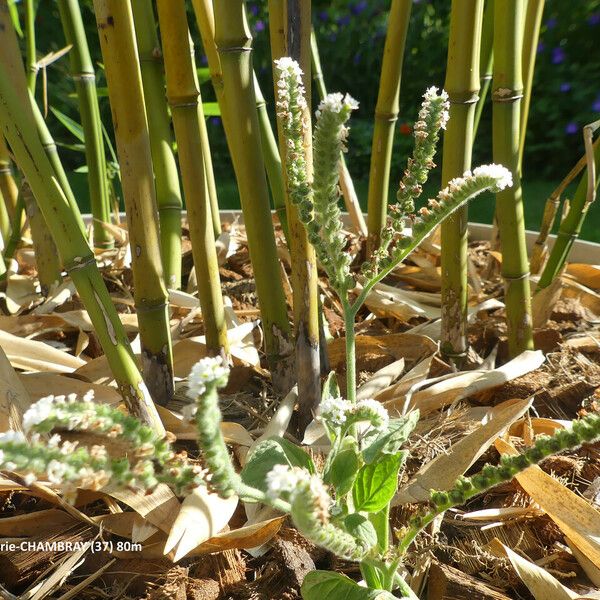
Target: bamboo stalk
x=117, y=40
x=18, y=126
x=46, y=254
x=238, y=110
x=166, y=177
x=346, y=184
x=486, y=61
x=533, y=21
x=507, y=91
x=570, y=226
x=290, y=27
x=18, y=224
x=462, y=86
x=30, y=49
x=540, y=249
x=272, y=160
x=8, y=187
x=386, y=115
x=206, y=24
x=186, y=108
x=83, y=74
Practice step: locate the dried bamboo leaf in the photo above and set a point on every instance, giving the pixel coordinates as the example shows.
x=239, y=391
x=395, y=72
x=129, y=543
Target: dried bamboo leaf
x=544, y=301
x=14, y=399
x=539, y=582
x=32, y=523
x=202, y=515
x=588, y=275
x=442, y=472
x=380, y=380
x=575, y=517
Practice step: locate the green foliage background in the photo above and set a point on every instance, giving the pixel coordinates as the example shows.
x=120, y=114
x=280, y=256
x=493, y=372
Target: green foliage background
x=351, y=36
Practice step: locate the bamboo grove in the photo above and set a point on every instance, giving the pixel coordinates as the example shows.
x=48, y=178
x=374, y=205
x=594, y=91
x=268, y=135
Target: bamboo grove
x=165, y=163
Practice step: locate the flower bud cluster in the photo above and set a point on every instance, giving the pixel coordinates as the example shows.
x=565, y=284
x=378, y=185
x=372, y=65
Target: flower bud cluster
x=207, y=376
x=310, y=504
x=317, y=202
x=337, y=413
x=325, y=232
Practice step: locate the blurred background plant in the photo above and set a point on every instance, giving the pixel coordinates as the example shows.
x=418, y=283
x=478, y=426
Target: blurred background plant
x=351, y=36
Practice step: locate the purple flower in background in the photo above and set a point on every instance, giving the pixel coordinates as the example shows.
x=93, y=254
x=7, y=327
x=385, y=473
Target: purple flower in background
x=594, y=19
x=359, y=7
x=357, y=58
x=343, y=21
x=551, y=23
x=323, y=16
x=571, y=128
x=558, y=55
x=596, y=105
x=215, y=121
x=259, y=25
x=203, y=60
x=254, y=9
x=332, y=36
x=541, y=47
x=565, y=87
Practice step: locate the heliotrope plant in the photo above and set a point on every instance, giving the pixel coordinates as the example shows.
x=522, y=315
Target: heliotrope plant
x=317, y=200
x=342, y=506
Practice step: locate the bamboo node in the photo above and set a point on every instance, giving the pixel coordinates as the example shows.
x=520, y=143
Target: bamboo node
x=145, y=308
x=516, y=277
x=506, y=95
x=83, y=77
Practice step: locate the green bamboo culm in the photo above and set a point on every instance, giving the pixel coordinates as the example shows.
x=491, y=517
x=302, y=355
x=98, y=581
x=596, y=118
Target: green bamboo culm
x=238, y=111
x=486, y=61
x=84, y=76
x=462, y=86
x=386, y=115
x=346, y=184
x=570, y=226
x=117, y=41
x=272, y=160
x=8, y=187
x=166, y=177
x=533, y=21
x=185, y=101
x=18, y=126
x=47, y=260
x=289, y=29
x=30, y=47
x=507, y=91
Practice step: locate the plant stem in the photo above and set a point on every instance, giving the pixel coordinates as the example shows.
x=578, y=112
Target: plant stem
x=349, y=316
x=571, y=225
x=346, y=184
x=462, y=86
x=486, y=61
x=506, y=94
x=117, y=40
x=289, y=26
x=46, y=256
x=186, y=107
x=30, y=49
x=82, y=72
x=386, y=115
x=8, y=187
x=166, y=178
x=238, y=109
x=17, y=123
x=533, y=21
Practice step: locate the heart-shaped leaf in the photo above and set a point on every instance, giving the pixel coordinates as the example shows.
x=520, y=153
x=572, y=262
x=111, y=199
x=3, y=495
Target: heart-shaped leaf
x=376, y=483
x=391, y=440
x=333, y=586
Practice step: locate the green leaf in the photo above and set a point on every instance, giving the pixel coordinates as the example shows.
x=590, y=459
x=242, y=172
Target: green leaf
x=318, y=585
x=344, y=467
x=376, y=483
x=81, y=169
x=211, y=109
x=331, y=389
x=361, y=528
x=203, y=74
x=390, y=441
x=75, y=128
x=271, y=452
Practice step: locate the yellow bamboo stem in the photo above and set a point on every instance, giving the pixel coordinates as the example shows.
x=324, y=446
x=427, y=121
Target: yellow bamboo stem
x=117, y=40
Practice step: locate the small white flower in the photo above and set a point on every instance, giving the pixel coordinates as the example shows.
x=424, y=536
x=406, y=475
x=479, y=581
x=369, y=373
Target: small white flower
x=188, y=412
x=333, y=411
x=205, y=372
x=500, y=173
x=12, y=437
x=285, y=63
x=283, y=479
x=40, y=411
x=379, y=415
x=29, y=479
